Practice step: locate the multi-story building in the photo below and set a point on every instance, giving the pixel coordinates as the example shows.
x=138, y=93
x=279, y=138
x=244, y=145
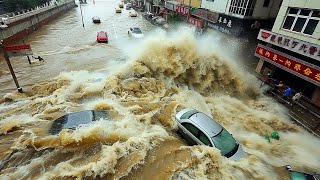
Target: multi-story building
x=238, y=17
x=291, y=50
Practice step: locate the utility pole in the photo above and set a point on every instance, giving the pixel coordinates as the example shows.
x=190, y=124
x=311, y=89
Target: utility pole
x=81, y=13
x=6, y=57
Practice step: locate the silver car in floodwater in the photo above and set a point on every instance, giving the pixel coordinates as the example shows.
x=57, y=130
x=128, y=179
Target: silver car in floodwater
x=199, y=129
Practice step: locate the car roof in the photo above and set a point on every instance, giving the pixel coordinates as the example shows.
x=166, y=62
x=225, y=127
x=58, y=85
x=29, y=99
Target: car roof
x=73, y=120
x=207, y=124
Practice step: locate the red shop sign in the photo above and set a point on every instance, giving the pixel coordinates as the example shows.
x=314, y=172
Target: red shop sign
x=196, y=22
x=308, y=72
x=182, y=10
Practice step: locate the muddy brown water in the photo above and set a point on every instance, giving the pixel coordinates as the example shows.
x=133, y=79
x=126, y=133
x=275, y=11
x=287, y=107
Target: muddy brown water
x=143, y=84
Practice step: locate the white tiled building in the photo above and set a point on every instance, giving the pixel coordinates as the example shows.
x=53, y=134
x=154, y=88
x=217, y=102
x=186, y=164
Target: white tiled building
x=292, y=49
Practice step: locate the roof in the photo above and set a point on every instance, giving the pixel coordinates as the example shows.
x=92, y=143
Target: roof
x=207, y=124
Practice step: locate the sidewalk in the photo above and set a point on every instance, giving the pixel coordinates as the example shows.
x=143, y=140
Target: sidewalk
x=298, y=112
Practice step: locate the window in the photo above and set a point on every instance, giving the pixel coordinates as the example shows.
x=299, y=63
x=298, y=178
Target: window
x=266, y=3
x=191, y=128
x=204, y=139
x=224, y=142
x=210, y=0
x=242, y=7
x=302, y=20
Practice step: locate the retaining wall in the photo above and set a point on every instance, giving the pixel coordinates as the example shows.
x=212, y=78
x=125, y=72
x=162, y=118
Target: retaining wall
x=22, y=27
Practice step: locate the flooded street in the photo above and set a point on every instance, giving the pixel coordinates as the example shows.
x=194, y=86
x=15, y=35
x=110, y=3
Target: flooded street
x=141, y=85
x=66, y=46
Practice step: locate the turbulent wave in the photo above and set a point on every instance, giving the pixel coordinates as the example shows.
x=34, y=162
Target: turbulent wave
x=139, y=140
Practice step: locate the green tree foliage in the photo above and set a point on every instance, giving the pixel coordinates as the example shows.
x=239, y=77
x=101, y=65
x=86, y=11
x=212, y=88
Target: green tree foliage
x=19, y=5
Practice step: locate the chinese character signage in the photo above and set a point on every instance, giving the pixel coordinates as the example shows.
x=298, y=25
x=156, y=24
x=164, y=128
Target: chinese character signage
x=205, y=14
x=20, y=50
x=169, y=5
x=196, y=22
x=292, y=44
x=306, y=71
x=227, y=24
x=182, y=10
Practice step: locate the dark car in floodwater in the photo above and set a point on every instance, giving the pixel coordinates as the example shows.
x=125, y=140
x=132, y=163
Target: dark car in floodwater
x=77, y=119
x=291, y=174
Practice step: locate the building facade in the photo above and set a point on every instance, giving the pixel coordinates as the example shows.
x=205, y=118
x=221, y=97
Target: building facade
x=291, y=50
x=241, y=17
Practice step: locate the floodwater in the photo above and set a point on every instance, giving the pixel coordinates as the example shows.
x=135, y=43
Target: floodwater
x=142, y=84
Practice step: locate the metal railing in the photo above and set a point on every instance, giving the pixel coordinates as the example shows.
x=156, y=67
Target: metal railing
x=13, y=17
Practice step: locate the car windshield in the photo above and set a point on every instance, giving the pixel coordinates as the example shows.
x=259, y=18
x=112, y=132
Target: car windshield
x=102, y=34
x=294, y=175
x=224, y=142
x=137, y=31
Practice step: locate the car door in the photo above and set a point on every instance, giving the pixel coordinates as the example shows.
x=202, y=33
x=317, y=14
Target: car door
x=204, y=139
x=190, y=133
x=130, y=31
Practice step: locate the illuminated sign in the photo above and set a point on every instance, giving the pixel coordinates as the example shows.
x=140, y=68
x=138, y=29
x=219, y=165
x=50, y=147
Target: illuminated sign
x=292, y=44
x=295, y=66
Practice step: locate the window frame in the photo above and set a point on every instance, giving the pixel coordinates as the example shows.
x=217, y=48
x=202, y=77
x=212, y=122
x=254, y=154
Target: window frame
x=296, y=17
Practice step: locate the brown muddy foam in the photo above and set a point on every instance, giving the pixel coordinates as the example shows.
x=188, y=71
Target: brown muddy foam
x=140, y=140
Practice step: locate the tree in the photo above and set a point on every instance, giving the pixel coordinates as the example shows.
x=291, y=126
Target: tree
x=19, y=5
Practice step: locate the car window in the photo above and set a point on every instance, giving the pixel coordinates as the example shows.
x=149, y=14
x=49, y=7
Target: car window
x=191, y=128
x=130, y=29
x=298, y=175
x=137, y=31
x=224, y=142
x=204, y=139
x=188, y=114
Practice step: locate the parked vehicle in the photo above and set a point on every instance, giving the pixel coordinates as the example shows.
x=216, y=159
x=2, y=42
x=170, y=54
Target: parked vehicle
x=96, y=19
x=199, y=129
x=135, y=32
x=102, y=36
x=77, y=119
x=118, y=10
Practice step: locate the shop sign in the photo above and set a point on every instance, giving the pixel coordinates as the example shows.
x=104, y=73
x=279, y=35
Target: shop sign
x=196, y=22
x=182, y=10
x=302, y=69
x=169, y=5
x=292, y=44
x=205, y=14
x=20, y=50
x=219, y=28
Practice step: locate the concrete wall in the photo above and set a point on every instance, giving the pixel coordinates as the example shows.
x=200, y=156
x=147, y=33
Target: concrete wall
x=215, y=6
x=311, y=4
x=17, y=30
x=271, y=11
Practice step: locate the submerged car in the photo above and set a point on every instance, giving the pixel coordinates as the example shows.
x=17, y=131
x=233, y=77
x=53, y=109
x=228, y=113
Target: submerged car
x=290, y=174
x=77, y=119
x=96, y=19
x=133, y=14
x=128, y=6
x=118, y=10
x=102, y=36
x=135, y=32
x=121, y=5
x=199, y=129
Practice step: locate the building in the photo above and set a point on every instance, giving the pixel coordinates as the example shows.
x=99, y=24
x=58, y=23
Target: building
x=291, y=50
x=239, y=17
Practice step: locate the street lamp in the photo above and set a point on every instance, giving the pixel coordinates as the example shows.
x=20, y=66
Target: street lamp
x=81, y=13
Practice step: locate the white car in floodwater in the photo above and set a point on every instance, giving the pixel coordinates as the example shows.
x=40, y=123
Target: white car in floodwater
x=199, y=129
x=135, y=33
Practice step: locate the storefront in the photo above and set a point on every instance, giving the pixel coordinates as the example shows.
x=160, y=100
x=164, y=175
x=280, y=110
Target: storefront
x=299, y=70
